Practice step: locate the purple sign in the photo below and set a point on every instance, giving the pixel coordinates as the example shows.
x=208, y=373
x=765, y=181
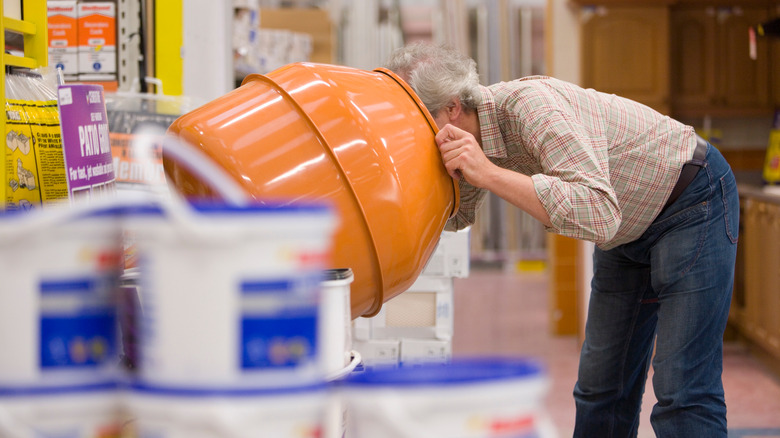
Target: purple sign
x=85, y=142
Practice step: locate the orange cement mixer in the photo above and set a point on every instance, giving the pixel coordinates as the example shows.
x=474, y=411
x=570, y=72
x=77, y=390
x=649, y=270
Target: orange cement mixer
x=360, y=140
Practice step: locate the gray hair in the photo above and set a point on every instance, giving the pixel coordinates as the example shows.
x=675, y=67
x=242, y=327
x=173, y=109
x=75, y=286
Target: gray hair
x=437, y=73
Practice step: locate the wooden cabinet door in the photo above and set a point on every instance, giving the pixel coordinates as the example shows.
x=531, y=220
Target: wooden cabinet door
x=693, y=57
x=762, y=274
x=743, y=82
x=625, y=51
x=737, y=309
x=774, y=59
x=770, y=293
x=712, y=71
x=775, y=72
x=755, y=220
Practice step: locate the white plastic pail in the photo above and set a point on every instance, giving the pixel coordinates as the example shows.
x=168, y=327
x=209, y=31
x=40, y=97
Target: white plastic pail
x=336, y=334
x=88, y=411
x=468, y=398
x=336, y=320
x=59, y=269
x=291, y=412
x=230, y=294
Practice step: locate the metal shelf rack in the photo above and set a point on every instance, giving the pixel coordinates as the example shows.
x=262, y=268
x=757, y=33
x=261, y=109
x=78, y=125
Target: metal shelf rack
x=33, y=28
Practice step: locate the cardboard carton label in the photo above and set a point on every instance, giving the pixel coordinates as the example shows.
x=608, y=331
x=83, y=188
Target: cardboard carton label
x=63, y=36
x=34, y=164
x=97, y=37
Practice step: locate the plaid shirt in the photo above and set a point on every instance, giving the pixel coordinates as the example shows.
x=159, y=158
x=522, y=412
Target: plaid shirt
x=602, y=166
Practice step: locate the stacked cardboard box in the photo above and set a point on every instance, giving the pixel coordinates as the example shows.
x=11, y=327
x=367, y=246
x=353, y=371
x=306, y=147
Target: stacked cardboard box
x=417, y=326
x=63, y=37
x=82, y=40
x=314, y=22
x=97, y=39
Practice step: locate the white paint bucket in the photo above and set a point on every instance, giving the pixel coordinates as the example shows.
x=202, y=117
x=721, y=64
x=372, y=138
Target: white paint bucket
x=59, y=269
x=230, y=294
x=291, y=412
x=468, y=398
x=336, y=333
x=336, y=320
x=90, y=411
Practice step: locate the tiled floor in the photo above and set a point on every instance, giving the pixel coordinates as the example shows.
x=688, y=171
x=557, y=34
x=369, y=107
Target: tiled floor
x=506, y=313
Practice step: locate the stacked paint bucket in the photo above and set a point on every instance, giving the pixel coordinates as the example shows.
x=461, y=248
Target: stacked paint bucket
x=224, y=302
x=467, y=398
x=228, y=332
x=58, y=337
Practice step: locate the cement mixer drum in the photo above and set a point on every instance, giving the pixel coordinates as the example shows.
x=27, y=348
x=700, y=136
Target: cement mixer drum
x=359, y=140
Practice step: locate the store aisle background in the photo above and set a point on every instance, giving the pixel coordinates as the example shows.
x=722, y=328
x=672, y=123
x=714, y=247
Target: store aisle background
x=506, y=313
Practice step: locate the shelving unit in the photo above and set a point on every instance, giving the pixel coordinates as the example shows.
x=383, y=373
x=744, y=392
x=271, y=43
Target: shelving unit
x=33, y=29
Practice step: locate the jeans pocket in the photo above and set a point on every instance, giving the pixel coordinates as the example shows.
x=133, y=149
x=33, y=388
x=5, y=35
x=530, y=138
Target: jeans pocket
x=682, y=237
x=728, y=187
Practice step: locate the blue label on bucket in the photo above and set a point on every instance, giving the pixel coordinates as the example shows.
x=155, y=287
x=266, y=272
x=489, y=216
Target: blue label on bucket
x=77, y=323
x=279, y=342
x=279, y=323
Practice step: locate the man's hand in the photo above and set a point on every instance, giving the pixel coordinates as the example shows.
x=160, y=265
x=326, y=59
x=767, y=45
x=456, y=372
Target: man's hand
x=463, y=156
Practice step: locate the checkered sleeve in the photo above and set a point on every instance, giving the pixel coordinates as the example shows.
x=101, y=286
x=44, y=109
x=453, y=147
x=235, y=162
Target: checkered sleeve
x=574, y=186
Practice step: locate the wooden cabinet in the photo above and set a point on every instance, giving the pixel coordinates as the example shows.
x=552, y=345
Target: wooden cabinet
x=757, y=311
x=737, y=310
x=712, y=70
x=686, y=58
x=564, y=259
x=774, y=50
x=625, y=51
x=775, y=62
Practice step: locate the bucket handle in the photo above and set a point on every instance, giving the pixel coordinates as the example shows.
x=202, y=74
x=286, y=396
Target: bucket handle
x=203, y=167
x=42, y=218
x=344, y=372
x=206, y=171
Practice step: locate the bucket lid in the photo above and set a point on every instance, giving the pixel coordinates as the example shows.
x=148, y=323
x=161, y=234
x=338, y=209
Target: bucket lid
x=15, y=224
x=62, y=214
x=206, y=392
x=217, y=208
x=459, y=371
x=337, y=274
x=210, y=207
x=7, y=391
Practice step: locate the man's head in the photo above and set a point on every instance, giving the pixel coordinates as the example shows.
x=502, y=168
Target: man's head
x=440, y=76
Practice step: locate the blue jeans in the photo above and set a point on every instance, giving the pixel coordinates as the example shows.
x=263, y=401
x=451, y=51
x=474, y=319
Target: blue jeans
x=672, y=285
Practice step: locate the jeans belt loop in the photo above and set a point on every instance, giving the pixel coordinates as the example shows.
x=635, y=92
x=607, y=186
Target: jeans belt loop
x=689, y=171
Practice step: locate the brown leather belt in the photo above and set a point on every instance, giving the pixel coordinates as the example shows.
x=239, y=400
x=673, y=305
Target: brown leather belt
x=689, y=170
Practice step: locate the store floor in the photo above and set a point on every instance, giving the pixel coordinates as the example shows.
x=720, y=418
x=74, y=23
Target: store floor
x=506, y=313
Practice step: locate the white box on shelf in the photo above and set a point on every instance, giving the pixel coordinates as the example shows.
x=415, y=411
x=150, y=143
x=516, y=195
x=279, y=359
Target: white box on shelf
x=378, y=352
x=419, y=351
x=63, y=36
x=97, y=37
x=424, y=311
x=451, y=256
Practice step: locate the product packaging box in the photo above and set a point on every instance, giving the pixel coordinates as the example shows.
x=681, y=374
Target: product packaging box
x=424, y=311
x=108, y=81
x=97, y=37
x=63, y=36
x=424, y=351
x=379, y=352
x=315, y=22
x=451, y=257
